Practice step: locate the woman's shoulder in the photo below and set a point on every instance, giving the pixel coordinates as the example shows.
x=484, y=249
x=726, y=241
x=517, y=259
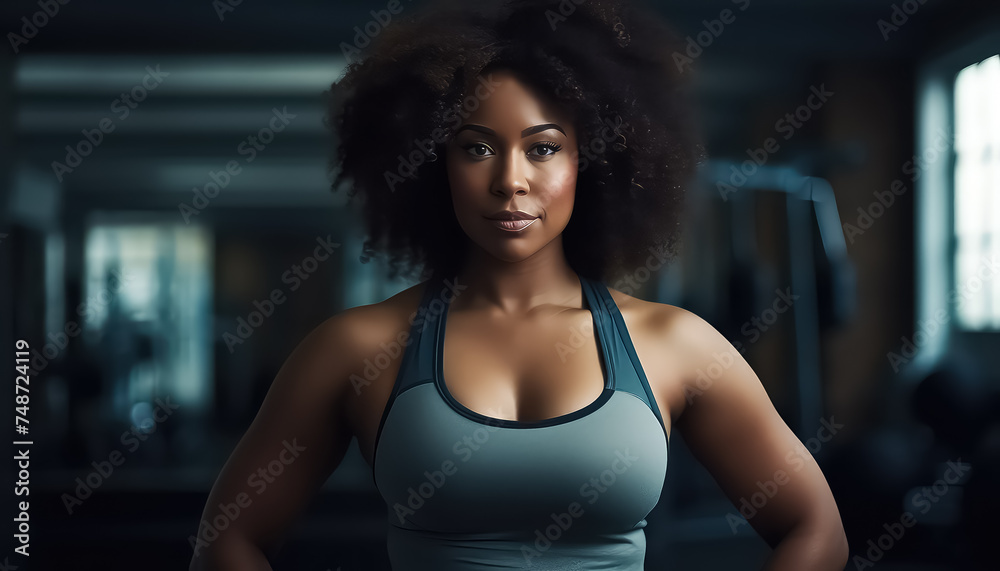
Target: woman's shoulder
x=651, y=315
x=367, y=325
x=668, y=326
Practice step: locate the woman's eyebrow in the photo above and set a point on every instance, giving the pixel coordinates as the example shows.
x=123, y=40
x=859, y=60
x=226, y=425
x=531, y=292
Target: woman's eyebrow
x=540, y=128
x=524, y=133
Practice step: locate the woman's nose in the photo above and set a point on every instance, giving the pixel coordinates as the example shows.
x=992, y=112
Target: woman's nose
x=511, y=179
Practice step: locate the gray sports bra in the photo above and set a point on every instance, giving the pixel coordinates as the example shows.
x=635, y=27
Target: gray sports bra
x=469, y=492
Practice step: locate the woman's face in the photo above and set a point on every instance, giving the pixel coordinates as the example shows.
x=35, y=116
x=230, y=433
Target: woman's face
x=514, y=152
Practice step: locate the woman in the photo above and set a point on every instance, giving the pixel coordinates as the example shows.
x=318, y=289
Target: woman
x=516, y=159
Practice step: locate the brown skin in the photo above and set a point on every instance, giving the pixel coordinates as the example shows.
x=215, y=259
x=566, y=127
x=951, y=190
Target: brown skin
x=522, y=300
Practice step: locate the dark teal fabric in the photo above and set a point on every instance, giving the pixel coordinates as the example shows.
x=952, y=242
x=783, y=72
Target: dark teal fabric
x=468, y=492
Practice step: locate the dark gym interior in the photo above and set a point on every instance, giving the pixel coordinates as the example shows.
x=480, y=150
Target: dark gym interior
x=854, y=153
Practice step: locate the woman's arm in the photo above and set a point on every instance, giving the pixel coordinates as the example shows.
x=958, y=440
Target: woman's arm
x=297, y=439
x=733, y=429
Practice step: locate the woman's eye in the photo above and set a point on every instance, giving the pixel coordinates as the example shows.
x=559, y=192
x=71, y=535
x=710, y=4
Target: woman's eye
x=478, y=149
x=540, y=150
x=546, y=149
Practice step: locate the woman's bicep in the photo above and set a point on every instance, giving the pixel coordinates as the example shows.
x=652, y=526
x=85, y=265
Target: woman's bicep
x=297, y=438
x=732, y=428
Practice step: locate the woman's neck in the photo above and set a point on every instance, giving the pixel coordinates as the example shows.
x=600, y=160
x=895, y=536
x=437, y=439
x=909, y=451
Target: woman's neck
x=508, y=288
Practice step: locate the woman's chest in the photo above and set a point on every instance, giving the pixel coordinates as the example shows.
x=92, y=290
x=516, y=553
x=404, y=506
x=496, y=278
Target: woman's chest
x=444, y=472
x=529, y=371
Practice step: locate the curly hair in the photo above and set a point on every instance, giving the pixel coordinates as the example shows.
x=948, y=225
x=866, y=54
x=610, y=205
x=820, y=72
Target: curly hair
x=393, y=111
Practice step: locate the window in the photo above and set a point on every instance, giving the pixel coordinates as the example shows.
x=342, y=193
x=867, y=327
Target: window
x=148, y=294
x=957, y=204
x=977, y=195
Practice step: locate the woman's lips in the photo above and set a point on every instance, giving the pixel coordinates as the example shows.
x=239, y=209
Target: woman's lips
x=513, y=225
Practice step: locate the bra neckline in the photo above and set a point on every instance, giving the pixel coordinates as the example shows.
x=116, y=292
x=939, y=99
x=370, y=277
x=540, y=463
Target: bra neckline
x=597, y=316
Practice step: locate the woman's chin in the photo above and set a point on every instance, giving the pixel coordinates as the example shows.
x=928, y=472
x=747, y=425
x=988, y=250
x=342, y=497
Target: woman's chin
x=511, y=255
